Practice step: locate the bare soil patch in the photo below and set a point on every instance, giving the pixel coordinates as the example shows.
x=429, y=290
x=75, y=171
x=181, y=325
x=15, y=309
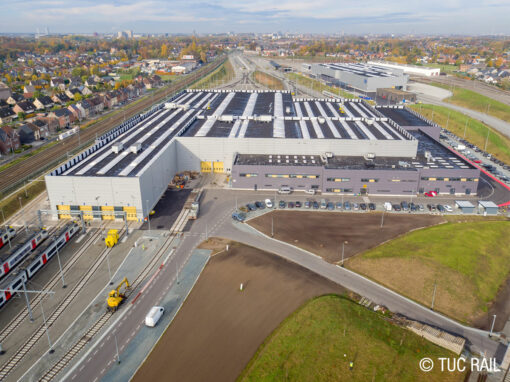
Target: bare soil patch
x=219, y=328
x=323, y=233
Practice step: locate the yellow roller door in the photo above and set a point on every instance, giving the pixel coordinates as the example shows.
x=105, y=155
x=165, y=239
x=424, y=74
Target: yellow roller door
x=218, y=167
x=110, y=215
x=64, y=212
x=130, y=213
x=205, y=166
x=87, y=212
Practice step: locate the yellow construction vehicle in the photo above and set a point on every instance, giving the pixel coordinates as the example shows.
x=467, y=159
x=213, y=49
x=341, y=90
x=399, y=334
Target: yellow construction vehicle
x=112, y=238
x=115, y=298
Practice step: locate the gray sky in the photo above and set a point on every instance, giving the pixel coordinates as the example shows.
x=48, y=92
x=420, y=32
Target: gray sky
x=317, y=16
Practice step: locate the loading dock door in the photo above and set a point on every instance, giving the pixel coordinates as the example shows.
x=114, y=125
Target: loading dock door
x=109, y=212
x=64, y=212
x=218, y=167
x=205, y=167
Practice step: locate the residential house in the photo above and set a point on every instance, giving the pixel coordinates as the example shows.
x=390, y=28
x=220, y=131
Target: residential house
x=9, y=139
x=85, y=91
x=27, y=135
x=43, y=127
x=26, y=107
x=51, y=121
x=97, y=103
x=76, y=112
x=90, y=82
x=72, y=92
x=39, y=83
x=61, y=98
x=7, y=115
x=55, y=82
x=3, y=103
x=28, y=91
x=110, y=99
x=15, y=98
x=43, y=102
x=86, y=108
x=63, y=116
x=5, y=91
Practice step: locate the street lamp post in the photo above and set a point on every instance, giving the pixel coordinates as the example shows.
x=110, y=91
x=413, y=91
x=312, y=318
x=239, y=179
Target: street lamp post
x=60, y=264
x=492, y=326
x=51, y=351
x=382, y=219
x=343, y=251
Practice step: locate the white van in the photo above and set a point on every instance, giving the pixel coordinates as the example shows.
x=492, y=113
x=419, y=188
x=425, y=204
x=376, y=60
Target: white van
x=285, y=190
x=154, y=315
x=387, y=206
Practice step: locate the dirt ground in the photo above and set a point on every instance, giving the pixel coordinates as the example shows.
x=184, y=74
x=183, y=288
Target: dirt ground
x=323, y=233
x=219, y=328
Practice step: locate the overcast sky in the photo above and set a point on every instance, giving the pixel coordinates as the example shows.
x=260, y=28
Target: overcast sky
x=317, y=16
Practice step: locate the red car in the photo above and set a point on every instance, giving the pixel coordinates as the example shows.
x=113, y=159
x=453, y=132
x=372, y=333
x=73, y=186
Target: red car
x=477, y=161
x=431, y=194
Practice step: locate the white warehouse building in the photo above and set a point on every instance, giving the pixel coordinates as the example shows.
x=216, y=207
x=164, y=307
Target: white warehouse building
x=409, y=69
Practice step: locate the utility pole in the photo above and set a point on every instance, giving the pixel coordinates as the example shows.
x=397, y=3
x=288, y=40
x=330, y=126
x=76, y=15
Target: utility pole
x=117, y=348
x=51, y=351
x=343, y=251
x=272, y=225
x=109, y=269
x=30, y=315
x=59, y=264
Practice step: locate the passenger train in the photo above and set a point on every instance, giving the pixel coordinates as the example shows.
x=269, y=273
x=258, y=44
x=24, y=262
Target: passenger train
x=6, y=235
x=34, y=262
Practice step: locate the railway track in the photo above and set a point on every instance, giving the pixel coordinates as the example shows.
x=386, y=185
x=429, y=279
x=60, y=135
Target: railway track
x=103, y=320
x=38, y=164
x=18, y=320
x=41, y=330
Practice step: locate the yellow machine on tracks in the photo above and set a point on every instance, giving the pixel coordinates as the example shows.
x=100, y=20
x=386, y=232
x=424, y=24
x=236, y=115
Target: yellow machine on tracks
x=115, y=297
x=112, y=238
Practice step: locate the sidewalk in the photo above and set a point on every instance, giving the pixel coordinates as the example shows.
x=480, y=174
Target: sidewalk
x=142, y=344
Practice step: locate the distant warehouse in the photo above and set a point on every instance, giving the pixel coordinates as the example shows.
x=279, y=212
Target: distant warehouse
x=262, y=140
x=361, y=78
x=409, y=69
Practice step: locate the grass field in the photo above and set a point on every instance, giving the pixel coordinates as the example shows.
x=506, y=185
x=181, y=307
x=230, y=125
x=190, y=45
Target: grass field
x=267, y=80
x=469, y=260
x=320, y=339
x=476, y=132
x=445, y=68
x=476, y=101
x=318, y=86
x=9, y=206
x=220, y=76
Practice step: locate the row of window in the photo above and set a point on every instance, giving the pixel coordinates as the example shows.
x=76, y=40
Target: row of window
x=338, y=189
x=292, y=176
x=442, y=179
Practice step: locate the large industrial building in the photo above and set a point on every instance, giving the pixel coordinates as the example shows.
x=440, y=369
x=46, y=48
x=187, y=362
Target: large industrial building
x=362, y=78
x=409, y=69
x=263, y=140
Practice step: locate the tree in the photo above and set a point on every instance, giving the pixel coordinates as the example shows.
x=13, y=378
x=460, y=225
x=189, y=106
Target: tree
x=21, y=116
x=164, y=51
x=78, y=97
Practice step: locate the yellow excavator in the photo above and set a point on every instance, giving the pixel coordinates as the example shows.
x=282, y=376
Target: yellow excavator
x=115, y=298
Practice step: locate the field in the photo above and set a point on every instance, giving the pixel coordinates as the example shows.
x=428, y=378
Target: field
x=10, y=205
x=219, y=328
x=220, y=76
x=317, y=85
x=323, y=233
x=267, y=80
x=445, y=68
x=468, y=261
x=476, y=131
x=476, y=101
x=319, y=340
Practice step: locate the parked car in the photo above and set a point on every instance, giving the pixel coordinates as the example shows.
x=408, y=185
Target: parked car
x=431, y=194
x=371, y=206
x=239, y=216
x=363, y=206
x=251, y=207
x=260, y=205
x=298, y=204
x=311, y=191
x=323, y=204
x=339, y=205
x=269, y=203
x=421, y=207
x=290, y=204
x=285, y=190
x=404, y=206
x=355, y=206
x=307, y=204
x=440, y=208
x=282, y=204
x=347, y=206
x=387, y=206
x=413, y=207
x=315, y=205
x=448, y=208
x=397, y=207
x=331, y=206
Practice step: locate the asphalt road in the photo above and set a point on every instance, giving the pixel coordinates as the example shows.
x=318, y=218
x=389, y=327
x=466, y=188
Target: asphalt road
x=215, y=218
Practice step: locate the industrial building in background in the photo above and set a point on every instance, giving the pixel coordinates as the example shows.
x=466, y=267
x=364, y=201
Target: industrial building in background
x=261, y=140
x=409, y=69
x=361, y=78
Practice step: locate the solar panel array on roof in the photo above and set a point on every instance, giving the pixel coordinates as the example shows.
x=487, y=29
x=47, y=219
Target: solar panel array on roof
x=361, y=69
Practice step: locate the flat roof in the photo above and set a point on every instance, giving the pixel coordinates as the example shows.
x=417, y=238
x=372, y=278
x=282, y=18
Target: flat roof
x=464, y=204
x=487, y=204
x=365, y=70
x=402, y=116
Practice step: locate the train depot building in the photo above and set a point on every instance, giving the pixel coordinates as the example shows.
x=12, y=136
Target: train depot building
x=261, y=140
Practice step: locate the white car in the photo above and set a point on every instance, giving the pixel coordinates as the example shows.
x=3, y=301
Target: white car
x=311, y=191
x=448, y=208
x=269, y=203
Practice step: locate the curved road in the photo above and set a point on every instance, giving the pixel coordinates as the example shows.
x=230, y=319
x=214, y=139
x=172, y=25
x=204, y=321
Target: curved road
x=217, y=206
